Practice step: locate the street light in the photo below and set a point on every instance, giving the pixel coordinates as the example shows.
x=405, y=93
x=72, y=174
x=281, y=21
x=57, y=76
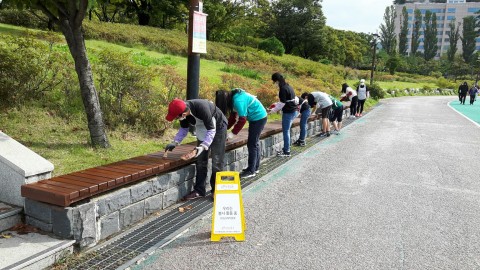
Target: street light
x=374, y=45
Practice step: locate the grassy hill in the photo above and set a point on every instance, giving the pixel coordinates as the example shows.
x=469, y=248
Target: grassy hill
x=54, y=124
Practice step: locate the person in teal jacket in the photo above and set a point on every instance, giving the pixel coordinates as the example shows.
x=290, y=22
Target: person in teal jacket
x=240, y=107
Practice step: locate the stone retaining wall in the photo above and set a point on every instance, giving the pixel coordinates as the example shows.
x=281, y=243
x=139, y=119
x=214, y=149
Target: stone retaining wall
x=105, y=215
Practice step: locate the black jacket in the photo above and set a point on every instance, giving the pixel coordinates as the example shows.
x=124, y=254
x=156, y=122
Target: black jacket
x=287, y=95
x=463, y=89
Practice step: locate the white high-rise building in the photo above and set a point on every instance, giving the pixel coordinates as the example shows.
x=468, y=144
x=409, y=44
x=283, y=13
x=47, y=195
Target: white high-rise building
x=453, y=9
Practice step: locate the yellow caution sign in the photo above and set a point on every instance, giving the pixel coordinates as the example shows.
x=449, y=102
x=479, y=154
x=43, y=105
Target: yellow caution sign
x=228, y=217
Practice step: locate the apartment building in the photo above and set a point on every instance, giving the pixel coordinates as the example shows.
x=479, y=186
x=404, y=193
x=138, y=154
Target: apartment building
x=453, y=9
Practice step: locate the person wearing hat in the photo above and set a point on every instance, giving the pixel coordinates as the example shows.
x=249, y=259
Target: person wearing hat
x=350, y=95
x=363, y=94
x=241, y=107
x=321, y=101
x=211, y=129
x=289, y=106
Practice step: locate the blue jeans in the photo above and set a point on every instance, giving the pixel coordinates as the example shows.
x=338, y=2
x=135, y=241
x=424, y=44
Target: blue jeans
x=287, y=120
x=303, y=124
x=253, y=144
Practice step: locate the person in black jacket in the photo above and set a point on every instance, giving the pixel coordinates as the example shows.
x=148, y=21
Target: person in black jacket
x=288, y=103
x=462, y=92
x=211, y=130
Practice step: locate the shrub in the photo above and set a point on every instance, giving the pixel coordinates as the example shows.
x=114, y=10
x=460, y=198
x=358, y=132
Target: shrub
x=23, y=18
x=376, y=91
x=126, y=95
x=272, y=45
x=267, y=94
x=26, y=70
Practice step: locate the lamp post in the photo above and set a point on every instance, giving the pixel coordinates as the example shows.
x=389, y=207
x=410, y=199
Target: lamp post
x=193, y=65
x=374, y=45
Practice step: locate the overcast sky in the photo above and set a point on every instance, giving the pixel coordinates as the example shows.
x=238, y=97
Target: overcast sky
x=355, y=15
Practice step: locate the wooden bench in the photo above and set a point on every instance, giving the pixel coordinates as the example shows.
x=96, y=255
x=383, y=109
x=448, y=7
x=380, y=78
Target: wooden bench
x=66, y=189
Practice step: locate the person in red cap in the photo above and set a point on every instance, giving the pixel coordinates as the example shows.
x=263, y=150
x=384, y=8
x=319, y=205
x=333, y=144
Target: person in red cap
x=211, y=129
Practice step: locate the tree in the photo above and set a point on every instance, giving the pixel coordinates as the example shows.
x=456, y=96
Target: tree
x=387, y=30
x=430, y=35
x=402, y=37
x=297, y=23
x=222, y=15
x=416, y=32
x=453, y=37
x=468, y=39
x=392, y=63
x=69, y=15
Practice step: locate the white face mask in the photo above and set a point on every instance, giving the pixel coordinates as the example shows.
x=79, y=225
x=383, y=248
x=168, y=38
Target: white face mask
x=277, y=83
x=182, y=118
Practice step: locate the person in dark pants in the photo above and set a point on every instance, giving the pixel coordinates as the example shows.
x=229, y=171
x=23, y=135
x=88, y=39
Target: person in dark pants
x=321, y=101
x=350, y=95
x=288, y=104
x=336, y=115
x=473, y=94
x=211, y=129
x=362, y=93
x=462, y=92
x=241, y=107
x=304, y=115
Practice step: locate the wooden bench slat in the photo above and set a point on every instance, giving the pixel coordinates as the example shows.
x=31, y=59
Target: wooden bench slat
x=83, y=191
x=32, y=192
x=102, y=184
x=91, y=187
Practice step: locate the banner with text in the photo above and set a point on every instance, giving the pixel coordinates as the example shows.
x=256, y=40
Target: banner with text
x=199, y=39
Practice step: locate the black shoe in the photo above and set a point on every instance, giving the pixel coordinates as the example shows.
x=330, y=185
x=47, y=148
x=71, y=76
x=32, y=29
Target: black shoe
x=299, y=143
x=192, y=196
x=283, y=154
x=322, y=135
x=247, y=174
x=328, y=134
x=244, y=170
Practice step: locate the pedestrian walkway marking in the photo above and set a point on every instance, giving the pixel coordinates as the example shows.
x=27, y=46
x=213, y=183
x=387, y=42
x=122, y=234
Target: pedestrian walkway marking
x=228, y=219
x=471, y=112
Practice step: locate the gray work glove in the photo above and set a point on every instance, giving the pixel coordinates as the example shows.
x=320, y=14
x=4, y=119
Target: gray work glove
x=170, y=146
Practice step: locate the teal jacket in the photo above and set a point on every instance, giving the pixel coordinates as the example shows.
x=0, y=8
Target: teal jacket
x=247, y=105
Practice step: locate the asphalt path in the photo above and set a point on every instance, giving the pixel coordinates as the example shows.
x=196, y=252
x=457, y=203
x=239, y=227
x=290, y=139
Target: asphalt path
x=398, y=189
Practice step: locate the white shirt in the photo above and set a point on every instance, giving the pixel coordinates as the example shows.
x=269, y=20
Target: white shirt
x=362, y=92
x=322, y=99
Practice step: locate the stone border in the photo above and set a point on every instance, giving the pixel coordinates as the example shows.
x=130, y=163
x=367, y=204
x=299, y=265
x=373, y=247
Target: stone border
x=95, y=219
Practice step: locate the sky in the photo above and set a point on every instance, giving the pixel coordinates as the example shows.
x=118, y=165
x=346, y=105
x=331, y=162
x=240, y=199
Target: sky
x=355, y=15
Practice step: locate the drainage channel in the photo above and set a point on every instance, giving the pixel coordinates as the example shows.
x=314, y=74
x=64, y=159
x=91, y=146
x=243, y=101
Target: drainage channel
x=125, y=250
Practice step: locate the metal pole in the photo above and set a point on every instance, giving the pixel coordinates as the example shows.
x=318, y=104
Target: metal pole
x=373, y=59
x=193, y=66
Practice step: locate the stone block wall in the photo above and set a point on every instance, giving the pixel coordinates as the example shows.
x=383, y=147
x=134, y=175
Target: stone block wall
x=102, y=216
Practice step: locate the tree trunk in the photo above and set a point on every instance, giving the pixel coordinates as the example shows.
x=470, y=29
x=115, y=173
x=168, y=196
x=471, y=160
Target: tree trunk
x=76, y=44
x=143, y=18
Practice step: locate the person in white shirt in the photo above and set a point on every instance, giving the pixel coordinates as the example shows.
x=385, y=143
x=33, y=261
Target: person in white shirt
x=323, y=102
x=363, y=94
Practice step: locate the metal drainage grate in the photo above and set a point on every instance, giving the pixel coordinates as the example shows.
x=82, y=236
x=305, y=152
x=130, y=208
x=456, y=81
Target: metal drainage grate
x=127, y=249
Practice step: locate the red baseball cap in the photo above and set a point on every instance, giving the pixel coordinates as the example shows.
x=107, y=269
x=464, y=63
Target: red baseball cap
x=175, y=108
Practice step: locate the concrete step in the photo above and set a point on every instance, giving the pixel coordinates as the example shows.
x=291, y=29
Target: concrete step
x=32, y=251
x=9, y=216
